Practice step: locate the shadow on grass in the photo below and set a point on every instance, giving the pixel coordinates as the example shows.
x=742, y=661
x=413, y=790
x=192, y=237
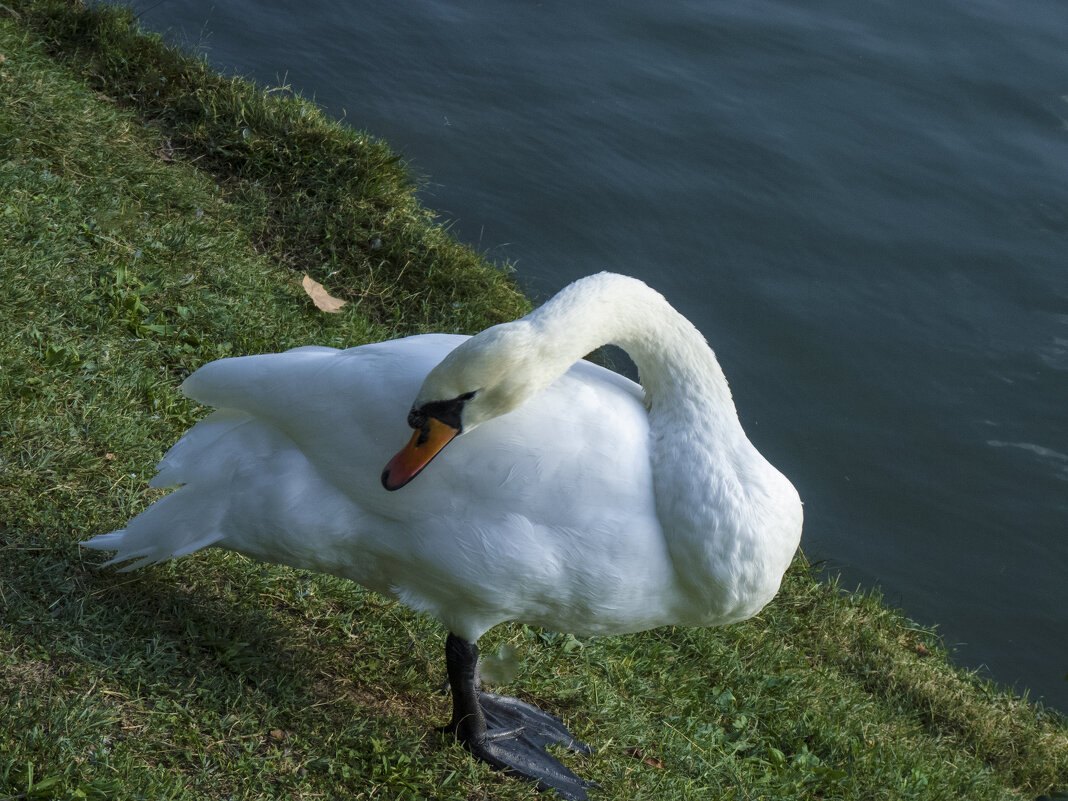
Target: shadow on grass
x=162, y=629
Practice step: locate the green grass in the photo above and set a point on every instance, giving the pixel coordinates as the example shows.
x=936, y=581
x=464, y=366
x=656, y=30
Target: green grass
x=143, y=235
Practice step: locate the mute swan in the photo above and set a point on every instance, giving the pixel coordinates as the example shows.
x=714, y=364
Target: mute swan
x=569, y=497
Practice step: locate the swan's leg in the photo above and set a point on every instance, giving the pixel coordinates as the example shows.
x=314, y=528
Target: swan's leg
x=504, y=732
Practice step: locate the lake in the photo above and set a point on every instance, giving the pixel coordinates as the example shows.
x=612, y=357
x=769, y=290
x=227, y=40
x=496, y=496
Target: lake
x=863, y=205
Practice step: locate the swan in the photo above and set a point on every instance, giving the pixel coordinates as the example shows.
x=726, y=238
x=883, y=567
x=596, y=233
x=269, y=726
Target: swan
x=549, y=490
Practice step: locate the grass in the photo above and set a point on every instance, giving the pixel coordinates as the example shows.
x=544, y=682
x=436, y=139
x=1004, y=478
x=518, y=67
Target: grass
x=144, y=233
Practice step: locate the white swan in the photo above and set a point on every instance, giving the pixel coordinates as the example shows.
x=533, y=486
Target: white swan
x=569, y=498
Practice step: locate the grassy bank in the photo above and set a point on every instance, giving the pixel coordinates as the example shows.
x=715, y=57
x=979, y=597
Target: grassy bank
x=155, y=216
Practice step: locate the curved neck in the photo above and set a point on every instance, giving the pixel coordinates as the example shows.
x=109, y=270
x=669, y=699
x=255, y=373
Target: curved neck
x=731, y=521
x=671, y=355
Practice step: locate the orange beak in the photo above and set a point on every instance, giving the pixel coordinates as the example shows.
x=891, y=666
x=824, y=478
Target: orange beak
x=426, y=443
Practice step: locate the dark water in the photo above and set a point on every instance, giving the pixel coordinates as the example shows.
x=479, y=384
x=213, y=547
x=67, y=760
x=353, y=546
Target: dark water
x=864, y=207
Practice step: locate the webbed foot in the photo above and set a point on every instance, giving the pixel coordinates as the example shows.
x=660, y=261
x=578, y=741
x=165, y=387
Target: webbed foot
x=506, y=733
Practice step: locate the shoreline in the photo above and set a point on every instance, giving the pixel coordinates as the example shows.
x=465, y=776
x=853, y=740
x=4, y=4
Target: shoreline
x=159, y=216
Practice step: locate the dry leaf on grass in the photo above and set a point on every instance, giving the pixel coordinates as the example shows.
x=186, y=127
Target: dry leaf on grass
x=320, y=297
x=638, y=753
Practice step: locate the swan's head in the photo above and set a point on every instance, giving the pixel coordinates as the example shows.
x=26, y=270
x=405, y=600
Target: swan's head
x=487, y=376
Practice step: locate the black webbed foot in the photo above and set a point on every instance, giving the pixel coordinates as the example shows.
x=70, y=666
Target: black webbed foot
x=506, y=733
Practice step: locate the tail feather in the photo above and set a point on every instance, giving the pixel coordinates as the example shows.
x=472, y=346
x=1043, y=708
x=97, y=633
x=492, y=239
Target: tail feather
x=206, y=465
x=203, y=452
x=173, y=526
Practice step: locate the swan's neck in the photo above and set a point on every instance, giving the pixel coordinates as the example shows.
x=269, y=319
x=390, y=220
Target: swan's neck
x=731, y=521
x=676, y=367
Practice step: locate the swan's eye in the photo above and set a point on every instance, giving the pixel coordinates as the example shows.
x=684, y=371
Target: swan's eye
x=416, y=418
x=449, y=412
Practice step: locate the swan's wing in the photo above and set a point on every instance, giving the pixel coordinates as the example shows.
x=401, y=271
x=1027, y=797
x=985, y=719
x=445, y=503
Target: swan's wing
x=545, y=514
x=279, y=386
x=244, y=481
